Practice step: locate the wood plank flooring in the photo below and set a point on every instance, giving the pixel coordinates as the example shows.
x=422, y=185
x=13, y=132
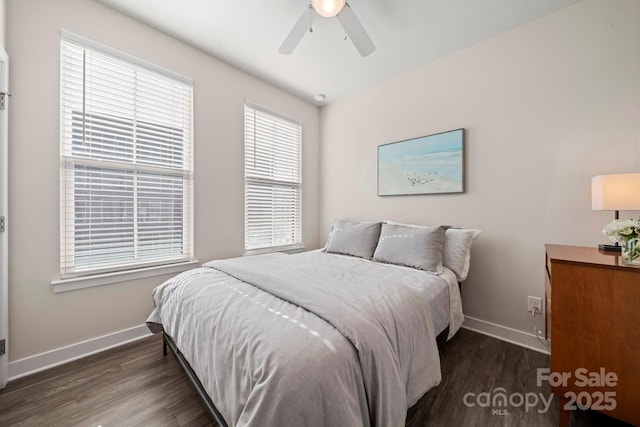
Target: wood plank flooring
x=135, y=385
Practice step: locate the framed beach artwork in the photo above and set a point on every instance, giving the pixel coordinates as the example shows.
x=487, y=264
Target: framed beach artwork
x=432, y=164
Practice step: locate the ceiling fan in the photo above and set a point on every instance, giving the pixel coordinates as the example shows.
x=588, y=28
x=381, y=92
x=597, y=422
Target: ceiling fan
x=328, y=9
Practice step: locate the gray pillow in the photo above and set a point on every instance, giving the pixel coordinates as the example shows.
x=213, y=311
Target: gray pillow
x=456, y=253
x=353, y=238
x=414, y=247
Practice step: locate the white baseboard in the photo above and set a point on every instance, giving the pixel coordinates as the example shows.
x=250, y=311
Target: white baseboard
x=40, y=362
x=505, y=333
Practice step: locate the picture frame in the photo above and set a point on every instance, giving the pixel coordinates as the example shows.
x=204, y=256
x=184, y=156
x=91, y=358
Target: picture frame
x=431, y=164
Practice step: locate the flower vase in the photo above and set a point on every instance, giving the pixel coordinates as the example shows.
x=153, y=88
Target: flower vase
x=631, y=251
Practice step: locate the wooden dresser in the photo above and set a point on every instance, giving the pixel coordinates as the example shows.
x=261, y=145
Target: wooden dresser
x=593, y=321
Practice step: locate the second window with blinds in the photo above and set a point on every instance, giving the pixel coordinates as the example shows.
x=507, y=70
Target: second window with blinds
x=273, y=180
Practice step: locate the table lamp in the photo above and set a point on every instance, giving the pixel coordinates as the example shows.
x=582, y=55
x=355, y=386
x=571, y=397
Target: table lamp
x=619, y=192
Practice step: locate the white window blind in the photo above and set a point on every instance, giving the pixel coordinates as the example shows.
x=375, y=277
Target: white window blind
x=273, y=187
x=126, y=163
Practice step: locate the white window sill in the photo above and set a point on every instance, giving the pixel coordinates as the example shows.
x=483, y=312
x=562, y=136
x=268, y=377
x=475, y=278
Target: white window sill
x=286, y=250
x=72, y=284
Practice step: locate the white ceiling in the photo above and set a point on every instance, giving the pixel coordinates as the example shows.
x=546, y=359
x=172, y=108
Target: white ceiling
x=407, y=34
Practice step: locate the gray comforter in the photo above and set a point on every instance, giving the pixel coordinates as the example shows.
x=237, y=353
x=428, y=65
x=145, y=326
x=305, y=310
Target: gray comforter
x=306, y=340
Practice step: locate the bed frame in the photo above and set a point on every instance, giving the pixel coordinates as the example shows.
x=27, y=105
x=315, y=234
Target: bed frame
x=167, y=342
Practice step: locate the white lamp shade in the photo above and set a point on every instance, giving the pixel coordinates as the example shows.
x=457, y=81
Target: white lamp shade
x=620, y=192
x=328, y=8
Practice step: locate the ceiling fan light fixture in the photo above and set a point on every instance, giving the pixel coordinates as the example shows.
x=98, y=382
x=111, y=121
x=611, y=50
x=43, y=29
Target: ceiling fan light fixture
x=328, y=8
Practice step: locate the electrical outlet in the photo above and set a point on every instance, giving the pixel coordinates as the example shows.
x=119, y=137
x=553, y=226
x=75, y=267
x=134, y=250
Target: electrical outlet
x=534, y=302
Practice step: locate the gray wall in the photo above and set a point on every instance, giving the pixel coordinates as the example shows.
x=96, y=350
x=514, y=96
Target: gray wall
x=3, y=23
x=545, y=106
x=41, y=320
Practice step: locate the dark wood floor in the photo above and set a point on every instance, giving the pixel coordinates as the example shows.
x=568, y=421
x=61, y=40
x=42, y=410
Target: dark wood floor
x=136, y=386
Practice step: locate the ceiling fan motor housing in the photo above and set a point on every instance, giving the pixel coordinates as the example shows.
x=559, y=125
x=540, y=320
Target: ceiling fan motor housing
x=328, y=8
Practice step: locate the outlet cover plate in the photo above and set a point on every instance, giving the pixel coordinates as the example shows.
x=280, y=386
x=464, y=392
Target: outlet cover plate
x=534, y=302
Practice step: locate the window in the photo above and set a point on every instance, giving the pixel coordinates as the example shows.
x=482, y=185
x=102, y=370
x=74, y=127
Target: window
x=126, y=161
x=272, y=174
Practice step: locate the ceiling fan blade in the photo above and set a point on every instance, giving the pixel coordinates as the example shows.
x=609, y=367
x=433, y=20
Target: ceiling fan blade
x=297, y=32
x=356, y=31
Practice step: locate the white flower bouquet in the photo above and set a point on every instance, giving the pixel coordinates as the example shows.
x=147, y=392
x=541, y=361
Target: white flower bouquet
x=627, y=233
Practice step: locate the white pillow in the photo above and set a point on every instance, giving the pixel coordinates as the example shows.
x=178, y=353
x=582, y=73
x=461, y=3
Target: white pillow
x=456, y=254
x=353, y=238
x=411, y=246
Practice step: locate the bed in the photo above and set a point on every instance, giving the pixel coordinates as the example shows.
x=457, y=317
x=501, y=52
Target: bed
x=337, y=336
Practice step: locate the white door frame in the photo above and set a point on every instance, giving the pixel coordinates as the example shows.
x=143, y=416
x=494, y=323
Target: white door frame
x=4, y=249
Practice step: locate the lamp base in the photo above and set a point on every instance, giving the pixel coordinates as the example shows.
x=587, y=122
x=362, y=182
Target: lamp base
x=610, y=248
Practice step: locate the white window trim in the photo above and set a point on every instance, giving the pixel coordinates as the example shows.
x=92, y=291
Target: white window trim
x=289, y=249
x=75, y=283
x=108, y=50
x=138, y=272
